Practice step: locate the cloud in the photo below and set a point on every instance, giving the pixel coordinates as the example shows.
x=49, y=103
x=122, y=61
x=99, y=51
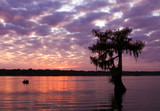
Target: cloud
x=77, y=25
x=92, y=5
x=17, y=29
x=55, y=33
x=55, y=18
x=3, y=31
x=151, y=54
x=42, y=30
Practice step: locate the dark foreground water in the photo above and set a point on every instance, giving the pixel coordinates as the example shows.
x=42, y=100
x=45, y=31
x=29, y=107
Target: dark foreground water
x=74, y=93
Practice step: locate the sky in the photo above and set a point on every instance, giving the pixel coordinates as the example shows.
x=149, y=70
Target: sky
x=56, y=34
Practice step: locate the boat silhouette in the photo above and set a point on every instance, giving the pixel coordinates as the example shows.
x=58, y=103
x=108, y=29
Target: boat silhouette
x=25, y=81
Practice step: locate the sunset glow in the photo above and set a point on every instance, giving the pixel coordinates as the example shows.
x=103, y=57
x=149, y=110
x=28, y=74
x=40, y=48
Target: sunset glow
x=56, y=34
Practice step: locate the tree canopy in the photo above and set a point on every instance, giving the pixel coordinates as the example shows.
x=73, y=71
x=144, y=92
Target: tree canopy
x=111, y=44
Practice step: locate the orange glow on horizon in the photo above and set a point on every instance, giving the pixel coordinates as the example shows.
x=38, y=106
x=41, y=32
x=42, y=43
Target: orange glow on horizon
x=61, y=67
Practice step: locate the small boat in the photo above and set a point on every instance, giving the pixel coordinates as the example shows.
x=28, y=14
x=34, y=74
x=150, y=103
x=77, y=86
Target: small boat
x=25, y=81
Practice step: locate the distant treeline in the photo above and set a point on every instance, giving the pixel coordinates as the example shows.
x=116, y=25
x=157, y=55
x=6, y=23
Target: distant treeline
x=47, y=72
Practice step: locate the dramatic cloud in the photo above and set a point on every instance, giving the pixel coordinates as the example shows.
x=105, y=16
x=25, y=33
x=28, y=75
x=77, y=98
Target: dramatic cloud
x=55, y=34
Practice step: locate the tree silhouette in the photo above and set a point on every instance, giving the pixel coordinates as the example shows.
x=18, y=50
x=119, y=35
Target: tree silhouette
x=109, y=47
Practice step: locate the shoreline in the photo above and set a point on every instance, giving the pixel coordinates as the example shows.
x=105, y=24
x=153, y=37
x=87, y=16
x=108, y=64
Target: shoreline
x=47, y=72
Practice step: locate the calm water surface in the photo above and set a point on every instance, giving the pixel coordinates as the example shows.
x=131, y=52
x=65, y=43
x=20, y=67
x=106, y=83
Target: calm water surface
x=72, y=93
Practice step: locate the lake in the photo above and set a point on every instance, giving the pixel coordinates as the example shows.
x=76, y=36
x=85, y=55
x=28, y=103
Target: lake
x=78, y=93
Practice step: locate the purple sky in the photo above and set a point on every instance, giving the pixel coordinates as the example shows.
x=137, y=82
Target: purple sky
x=55, y=34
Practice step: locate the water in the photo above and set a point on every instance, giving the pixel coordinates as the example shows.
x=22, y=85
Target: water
x=65, y=93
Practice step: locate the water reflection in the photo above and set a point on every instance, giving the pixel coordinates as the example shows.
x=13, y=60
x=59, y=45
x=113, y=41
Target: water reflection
x=117, y=101
x=78, y=93
x=58, y=93
x=52, y=84
x=114, y=104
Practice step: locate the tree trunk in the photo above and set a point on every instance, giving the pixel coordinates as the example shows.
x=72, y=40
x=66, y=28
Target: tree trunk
x=119, y=87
